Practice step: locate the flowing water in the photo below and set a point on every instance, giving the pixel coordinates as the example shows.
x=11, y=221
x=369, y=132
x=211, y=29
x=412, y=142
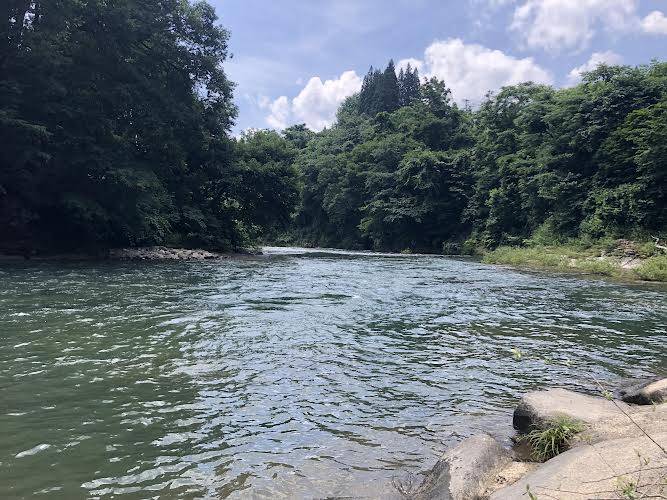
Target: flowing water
x=291, y=375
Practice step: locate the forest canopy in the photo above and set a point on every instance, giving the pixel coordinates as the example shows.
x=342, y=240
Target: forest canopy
x=115, y=120
x=531, y=162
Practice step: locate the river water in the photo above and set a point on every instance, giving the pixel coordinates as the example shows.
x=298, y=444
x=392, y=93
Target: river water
x=290, y=375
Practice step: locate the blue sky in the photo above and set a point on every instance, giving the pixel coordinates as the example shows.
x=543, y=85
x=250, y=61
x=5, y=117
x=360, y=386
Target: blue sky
x=295, y=60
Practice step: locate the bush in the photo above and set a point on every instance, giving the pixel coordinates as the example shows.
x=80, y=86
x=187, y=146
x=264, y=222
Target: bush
x=549, y=442
x=653, y=269
x=471, y=246
x=534, y=257
x=648, y=249
x=451, y=248
x=545, y=235
x=597, y=266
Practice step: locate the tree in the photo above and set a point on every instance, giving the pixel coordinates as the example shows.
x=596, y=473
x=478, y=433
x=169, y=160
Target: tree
x=370, y=97
x=379, y=91
x=531, y=161
x=390, y=92
x=118, y=116
x=409, y=85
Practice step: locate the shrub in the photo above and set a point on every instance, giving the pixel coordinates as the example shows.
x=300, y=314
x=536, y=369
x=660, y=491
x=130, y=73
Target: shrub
x=545, y=235
x=653, y=269
x=451, y=248
x=648, y=249
x=472, y=246
x=515, y=256
x=551, y=441
x=597, y=266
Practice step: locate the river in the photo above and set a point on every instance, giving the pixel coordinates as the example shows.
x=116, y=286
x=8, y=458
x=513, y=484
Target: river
x=290, y=375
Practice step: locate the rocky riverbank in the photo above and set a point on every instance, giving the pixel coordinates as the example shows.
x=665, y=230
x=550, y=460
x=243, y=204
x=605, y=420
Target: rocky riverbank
x=165, y=253
x=619, y=451
x=154, y=253
x=621, y=259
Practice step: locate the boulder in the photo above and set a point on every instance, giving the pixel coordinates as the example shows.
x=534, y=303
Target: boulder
x=536, y=409
x=646, y=392
x=639, y=420
x=600, y=470
x=465, y=471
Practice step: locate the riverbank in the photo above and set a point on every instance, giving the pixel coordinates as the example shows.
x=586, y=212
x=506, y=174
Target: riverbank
x=621, y=259
x=168, y=253
x=154, y=253
x=571, y=446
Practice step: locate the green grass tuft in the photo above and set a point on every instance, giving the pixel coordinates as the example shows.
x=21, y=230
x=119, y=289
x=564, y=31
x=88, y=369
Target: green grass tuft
x=601, y=267
x=601, y=258
x=653, y=269
x=549, y=442
x=518, y=256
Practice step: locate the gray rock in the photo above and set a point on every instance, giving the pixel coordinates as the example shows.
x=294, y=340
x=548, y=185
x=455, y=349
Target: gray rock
x=161, y=253
x=597, y=471
x=465, y=471
x=536, y=409
x=646, y=392
x=638, y=421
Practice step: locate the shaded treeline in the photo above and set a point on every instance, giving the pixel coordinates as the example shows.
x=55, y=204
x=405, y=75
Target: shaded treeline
x=114, y=118
x=531, y=162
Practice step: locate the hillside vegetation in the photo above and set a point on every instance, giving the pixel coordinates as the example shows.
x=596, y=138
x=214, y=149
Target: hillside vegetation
x=116, y=119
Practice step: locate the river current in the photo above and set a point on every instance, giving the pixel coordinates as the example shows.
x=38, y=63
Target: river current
x=296, y=374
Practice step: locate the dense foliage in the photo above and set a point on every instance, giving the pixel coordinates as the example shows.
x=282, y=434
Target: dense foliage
x=531, y=163
x=114, y=118
x=385, y=91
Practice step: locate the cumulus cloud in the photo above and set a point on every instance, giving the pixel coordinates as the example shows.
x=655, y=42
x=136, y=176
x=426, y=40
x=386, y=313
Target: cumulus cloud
x=557, y=25
x=414, y=63
x=315, y=105
x=471, y=70
x=655, y=23
x=280, y=112
x=493, y=4
x=597, y=58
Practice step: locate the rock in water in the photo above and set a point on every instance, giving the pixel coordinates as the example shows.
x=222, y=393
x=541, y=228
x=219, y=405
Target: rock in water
x=464, y=472
x=646, y=393
x=536, y=409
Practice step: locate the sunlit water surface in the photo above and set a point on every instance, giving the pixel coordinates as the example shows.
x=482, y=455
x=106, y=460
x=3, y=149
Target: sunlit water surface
x=289, y=375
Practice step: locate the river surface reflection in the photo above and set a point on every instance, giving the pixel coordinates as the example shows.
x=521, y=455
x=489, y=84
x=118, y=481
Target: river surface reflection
x=296, y=374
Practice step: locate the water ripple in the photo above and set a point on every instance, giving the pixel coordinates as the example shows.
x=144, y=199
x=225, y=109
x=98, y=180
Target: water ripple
x=299, y=374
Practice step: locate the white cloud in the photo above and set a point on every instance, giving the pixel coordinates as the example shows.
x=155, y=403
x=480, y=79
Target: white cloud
x=315, y=105
x=280, y=112
x=500, y=3
x=557, y=25
x=597, y=58
x=471, y=70
x=414, y=63
x=493, y=4
x=655, y=23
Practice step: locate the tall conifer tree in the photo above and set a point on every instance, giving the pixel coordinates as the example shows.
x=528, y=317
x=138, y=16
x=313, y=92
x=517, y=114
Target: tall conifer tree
x=390, y=94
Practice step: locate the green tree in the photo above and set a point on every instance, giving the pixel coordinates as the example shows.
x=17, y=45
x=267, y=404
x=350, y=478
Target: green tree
x=116, y=116
x=409, y=85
